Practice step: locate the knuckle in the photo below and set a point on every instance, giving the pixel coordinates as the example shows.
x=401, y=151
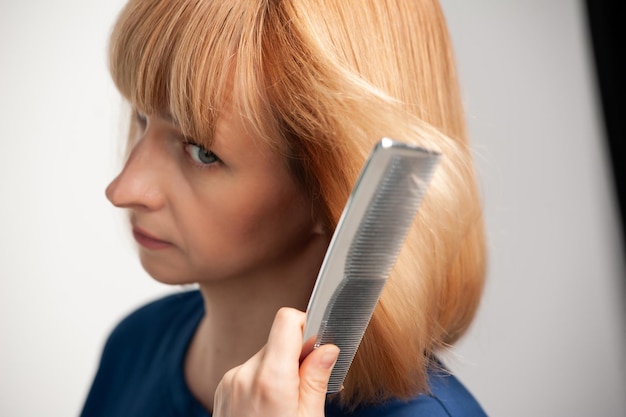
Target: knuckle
x=227, y=379
x=268, y=390
x=287, y=314
x=265, y=384
x=271, y=382
x=233, y=382
x=284, y=313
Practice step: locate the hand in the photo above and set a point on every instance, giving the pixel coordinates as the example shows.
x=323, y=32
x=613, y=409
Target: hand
x=276, y=382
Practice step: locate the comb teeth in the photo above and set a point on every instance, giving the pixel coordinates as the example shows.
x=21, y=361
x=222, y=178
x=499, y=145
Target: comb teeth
x=384, y=226
x=364, y=248
x=371, y=257
x=353, y=308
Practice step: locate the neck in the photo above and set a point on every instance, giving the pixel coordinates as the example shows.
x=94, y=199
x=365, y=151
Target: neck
x=239, y=315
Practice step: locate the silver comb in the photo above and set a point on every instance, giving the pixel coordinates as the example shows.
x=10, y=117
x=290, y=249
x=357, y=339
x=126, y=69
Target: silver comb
x=364, y=248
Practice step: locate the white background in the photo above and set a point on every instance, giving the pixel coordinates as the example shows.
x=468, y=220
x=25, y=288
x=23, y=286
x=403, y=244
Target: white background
x=550, y=339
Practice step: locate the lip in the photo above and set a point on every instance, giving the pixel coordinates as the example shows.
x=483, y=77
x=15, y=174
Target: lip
x=148, y=241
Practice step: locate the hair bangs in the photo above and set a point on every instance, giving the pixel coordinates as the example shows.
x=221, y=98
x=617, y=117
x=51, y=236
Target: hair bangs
x=177, y=61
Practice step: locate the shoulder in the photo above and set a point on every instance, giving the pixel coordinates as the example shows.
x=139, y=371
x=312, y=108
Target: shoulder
x=451, y=396
x=448, y=397
x=156, y=319
x=142, y=356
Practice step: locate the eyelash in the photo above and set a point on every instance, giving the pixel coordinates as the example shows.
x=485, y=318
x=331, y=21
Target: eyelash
x=190, y=146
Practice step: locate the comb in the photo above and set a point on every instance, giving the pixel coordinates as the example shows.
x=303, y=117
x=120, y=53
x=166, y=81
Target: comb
x=370, y=232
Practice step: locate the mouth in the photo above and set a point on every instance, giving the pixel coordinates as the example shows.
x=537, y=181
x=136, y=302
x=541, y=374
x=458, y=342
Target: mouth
x=148, y=241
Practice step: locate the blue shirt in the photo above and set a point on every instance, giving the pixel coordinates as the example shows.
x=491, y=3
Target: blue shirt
x=141, y=371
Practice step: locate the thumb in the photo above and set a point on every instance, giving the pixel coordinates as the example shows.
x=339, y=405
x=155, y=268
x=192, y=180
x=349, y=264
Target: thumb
x=315, y=372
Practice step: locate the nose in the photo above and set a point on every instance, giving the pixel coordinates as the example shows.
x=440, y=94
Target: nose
x=138, y=185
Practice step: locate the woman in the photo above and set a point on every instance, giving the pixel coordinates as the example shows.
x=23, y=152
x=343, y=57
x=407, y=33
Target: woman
x=251, y=122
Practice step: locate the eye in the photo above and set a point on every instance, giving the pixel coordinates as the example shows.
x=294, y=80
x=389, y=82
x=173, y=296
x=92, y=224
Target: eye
x=199, y=154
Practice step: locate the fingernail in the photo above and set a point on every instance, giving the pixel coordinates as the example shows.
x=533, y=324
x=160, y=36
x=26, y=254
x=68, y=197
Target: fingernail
x=329, y=357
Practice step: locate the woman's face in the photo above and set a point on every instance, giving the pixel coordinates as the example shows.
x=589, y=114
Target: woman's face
x=198, y=214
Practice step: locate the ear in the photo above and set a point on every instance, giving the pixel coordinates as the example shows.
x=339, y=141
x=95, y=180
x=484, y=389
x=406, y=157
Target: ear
x=320, y=224
x=319, y=228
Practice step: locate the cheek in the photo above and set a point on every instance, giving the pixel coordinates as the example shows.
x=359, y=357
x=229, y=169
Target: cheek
x=273, y=217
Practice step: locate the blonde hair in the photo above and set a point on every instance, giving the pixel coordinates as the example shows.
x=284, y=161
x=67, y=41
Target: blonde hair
x=322, y=81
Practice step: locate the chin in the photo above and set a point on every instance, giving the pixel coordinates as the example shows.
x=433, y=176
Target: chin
x=166, y=275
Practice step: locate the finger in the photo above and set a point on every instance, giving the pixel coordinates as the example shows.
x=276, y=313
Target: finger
x=307, y=347
x=284, y=343
x=236, y=382
x=314, y=375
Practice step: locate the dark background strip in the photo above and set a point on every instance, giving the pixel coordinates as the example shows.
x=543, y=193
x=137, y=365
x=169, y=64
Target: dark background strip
x=607, y=24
